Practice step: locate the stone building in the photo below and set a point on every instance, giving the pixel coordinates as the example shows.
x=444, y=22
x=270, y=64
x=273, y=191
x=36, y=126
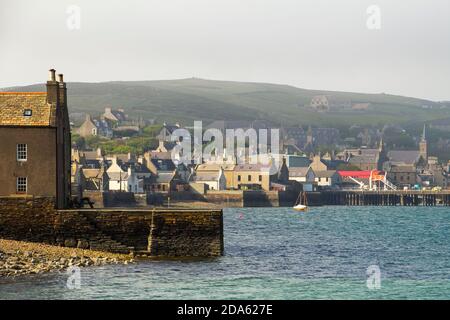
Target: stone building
x=35, y=143
x=251, y=176
x=117, y=116
x=88, y=128
x=403, y=175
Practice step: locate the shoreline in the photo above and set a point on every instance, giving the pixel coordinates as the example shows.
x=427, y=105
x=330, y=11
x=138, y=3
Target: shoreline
x=26, y=258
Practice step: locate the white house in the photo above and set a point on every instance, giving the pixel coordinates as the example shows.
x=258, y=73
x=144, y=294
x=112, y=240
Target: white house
x=121, y=180
x=303, y=175
x=328, y=178
x=215, y=180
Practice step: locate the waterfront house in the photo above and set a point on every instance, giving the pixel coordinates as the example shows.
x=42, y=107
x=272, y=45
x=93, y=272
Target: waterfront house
x=163, y=182
x=214, y=180
x=35, y=143
x=403, y=175
x=251, y=176
x=327, y=179
x=213, y=169
x=304, y=175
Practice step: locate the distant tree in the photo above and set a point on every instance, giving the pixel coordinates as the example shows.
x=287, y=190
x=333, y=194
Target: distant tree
x=78, y=141
x=152, y=130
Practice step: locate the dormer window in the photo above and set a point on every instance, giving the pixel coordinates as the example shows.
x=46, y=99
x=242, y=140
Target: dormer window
x=27, y=113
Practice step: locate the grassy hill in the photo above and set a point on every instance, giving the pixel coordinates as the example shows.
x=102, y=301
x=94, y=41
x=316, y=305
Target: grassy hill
x=197, y=99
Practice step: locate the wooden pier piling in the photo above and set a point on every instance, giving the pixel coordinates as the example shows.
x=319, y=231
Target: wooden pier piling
x=385, y=198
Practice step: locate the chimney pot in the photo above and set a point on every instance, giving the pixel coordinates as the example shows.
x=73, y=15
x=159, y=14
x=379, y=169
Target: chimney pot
x=52, y=75
x=61, y=78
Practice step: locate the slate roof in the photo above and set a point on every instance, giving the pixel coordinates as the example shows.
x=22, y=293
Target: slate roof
x=161, y=155
x=325, y=174
x=118, y=176
x=163, y=177
x=251, y=167
x=403, y=156
x=298, y=171
x=93, y=173
x=332, y=164
x=298, y=162
x=13, y=105
x=214, y=167
x=163, y=164
x=403, y=169
x=205, y=176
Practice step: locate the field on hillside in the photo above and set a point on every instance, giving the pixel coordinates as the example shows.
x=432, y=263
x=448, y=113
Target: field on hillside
x=197, y=99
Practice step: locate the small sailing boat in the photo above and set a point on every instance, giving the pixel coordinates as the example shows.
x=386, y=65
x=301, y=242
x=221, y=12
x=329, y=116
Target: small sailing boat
x=302, y=202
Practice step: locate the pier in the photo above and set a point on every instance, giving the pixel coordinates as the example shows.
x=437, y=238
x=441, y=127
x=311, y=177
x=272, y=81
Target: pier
x=380, y=198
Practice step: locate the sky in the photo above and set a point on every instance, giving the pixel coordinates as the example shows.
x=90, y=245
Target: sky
x=403, y=47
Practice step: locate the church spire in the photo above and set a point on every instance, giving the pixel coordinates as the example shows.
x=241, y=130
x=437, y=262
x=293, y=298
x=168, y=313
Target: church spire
x=423, y=145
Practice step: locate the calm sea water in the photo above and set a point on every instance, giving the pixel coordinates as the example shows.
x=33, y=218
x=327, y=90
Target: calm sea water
x=276, y=253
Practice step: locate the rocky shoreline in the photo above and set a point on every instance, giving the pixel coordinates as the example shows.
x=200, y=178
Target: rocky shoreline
x=21, y=258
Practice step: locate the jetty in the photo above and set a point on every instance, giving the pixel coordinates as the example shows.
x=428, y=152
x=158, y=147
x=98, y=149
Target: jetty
x=380, y=198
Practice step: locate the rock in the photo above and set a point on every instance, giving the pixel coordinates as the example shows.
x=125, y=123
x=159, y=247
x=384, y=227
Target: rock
x=83, y=244
x=71, y=243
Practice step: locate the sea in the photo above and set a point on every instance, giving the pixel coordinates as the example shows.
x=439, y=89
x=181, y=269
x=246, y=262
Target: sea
x=334, y=252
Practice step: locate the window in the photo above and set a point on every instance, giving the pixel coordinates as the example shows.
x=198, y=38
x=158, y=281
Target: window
x=249, y=178
x=21, y=152
x=21, y=184
x=27, y=113
x=239, y=178
x=260, y=178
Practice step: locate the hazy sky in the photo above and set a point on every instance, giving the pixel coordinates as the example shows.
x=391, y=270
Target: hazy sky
x=313, y=44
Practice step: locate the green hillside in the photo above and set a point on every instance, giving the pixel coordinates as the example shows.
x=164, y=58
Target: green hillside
x=197, y=99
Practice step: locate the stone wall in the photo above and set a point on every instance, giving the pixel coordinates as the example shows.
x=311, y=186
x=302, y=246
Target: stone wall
x=226, y=198
x=151, y=232
x=180, y=233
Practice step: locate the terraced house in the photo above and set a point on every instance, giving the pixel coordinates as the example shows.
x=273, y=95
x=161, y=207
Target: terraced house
x=35, y=142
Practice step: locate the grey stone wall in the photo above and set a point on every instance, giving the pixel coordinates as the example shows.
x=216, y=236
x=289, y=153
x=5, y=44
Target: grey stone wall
x=151, y=232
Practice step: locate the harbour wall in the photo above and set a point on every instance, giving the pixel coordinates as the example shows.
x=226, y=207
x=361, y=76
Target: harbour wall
x=156, y=233
x=226, y=198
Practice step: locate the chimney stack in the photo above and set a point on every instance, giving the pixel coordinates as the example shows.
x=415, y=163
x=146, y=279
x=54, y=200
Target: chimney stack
x=62, y=91
x=52, y=75
x=52, y=88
